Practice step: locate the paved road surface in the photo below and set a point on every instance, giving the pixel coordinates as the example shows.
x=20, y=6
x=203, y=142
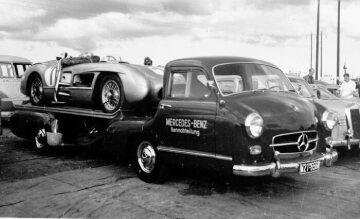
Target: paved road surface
x=77, y=182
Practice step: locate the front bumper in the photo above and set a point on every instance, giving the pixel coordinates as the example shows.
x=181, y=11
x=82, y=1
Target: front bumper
x=276, y=168
x=341, y=136
x=342, y=143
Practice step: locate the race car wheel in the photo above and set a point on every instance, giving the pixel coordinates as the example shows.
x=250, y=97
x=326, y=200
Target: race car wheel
x=111, y=95
x=147, y=165
x=36, y=91
x=40, y=140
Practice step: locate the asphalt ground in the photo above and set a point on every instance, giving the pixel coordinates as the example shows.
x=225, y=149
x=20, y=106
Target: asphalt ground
x=77, y=182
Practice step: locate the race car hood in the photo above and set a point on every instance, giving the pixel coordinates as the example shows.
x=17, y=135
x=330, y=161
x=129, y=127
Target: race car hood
x=281, y=111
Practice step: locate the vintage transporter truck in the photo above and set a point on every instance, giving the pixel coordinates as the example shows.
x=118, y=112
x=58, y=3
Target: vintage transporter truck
x=230, y=114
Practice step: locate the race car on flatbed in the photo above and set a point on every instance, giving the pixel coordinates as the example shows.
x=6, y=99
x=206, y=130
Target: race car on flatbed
x=108, y=85
x=230, y=114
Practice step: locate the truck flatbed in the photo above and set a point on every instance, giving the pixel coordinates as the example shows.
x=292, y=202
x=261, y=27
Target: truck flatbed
x=69, y=110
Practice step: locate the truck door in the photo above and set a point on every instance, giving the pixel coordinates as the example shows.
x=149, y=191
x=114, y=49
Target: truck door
x=186, y=117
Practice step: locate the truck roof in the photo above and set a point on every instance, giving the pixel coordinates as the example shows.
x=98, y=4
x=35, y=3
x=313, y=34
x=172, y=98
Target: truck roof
x=7, y=58
x=211, y=61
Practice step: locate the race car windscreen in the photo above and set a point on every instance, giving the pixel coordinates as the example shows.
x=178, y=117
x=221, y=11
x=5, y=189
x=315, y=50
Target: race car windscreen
x=238, y=77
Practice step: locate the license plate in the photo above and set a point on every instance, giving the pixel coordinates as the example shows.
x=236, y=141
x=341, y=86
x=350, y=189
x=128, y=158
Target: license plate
x=309, y=167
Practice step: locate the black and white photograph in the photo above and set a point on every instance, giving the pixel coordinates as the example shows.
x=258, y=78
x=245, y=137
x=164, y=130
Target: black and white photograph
x=180, y=109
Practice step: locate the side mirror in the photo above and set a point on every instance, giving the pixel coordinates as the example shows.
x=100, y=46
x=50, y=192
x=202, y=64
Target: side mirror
x=299, y=91
x=211, y=85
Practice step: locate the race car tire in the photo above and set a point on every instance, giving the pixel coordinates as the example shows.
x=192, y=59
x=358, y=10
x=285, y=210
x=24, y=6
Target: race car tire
x=36, y=91
x=111, y=94
x=146, y=163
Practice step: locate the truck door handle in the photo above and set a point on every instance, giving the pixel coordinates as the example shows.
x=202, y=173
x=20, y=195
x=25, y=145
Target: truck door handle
x=164, y=106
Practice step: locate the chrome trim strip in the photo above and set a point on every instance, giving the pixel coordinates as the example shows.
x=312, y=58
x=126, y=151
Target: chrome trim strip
x=80, y=88
x=222, y=157
x=63, y=94
x=194, y=153
x=291, y=143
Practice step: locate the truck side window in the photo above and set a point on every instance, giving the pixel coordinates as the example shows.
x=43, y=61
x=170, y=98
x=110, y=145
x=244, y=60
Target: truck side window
x=189, y=85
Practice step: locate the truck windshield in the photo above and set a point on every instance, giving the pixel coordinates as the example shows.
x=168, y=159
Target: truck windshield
x=238, y=77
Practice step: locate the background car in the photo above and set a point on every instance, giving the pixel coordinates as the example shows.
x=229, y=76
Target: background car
x=333, y=88
x=108, y=85
x=11, y=70
x=346, y=133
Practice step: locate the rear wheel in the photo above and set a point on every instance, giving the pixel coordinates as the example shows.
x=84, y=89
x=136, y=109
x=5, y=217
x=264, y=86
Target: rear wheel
x=147, y=164
x=111, y=95
x=36, y=91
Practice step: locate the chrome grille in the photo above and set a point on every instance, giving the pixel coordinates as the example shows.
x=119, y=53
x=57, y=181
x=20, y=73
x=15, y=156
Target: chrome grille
x=289, y=143
x=355, y=121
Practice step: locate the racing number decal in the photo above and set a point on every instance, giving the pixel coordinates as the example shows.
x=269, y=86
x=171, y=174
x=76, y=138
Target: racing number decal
x=50, y=76
x=186, y=126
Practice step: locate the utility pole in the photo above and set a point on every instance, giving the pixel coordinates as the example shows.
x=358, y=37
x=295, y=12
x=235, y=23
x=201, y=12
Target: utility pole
x=338, y=47
x=317, y=42
x=311, y=51
x=321, y=55
x=1, y=130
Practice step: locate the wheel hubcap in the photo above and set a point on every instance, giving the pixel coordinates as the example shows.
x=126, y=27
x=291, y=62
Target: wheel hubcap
x=146, y=157
x=36, y=90
x=111, y=95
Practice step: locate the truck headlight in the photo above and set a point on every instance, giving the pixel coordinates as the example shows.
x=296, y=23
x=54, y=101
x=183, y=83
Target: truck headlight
x=254, y=125
x=329, y=119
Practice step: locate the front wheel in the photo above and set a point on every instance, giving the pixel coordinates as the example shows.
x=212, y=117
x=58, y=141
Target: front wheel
x=147, y=164
x=111, y=95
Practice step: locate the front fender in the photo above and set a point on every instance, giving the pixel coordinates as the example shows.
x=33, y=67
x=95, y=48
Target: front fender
x=120, y=133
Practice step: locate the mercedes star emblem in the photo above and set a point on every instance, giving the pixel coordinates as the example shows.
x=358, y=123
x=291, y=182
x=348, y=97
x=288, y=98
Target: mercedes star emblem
x=303, y=142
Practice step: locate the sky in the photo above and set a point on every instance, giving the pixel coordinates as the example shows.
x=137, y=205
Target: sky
x=277, y=31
